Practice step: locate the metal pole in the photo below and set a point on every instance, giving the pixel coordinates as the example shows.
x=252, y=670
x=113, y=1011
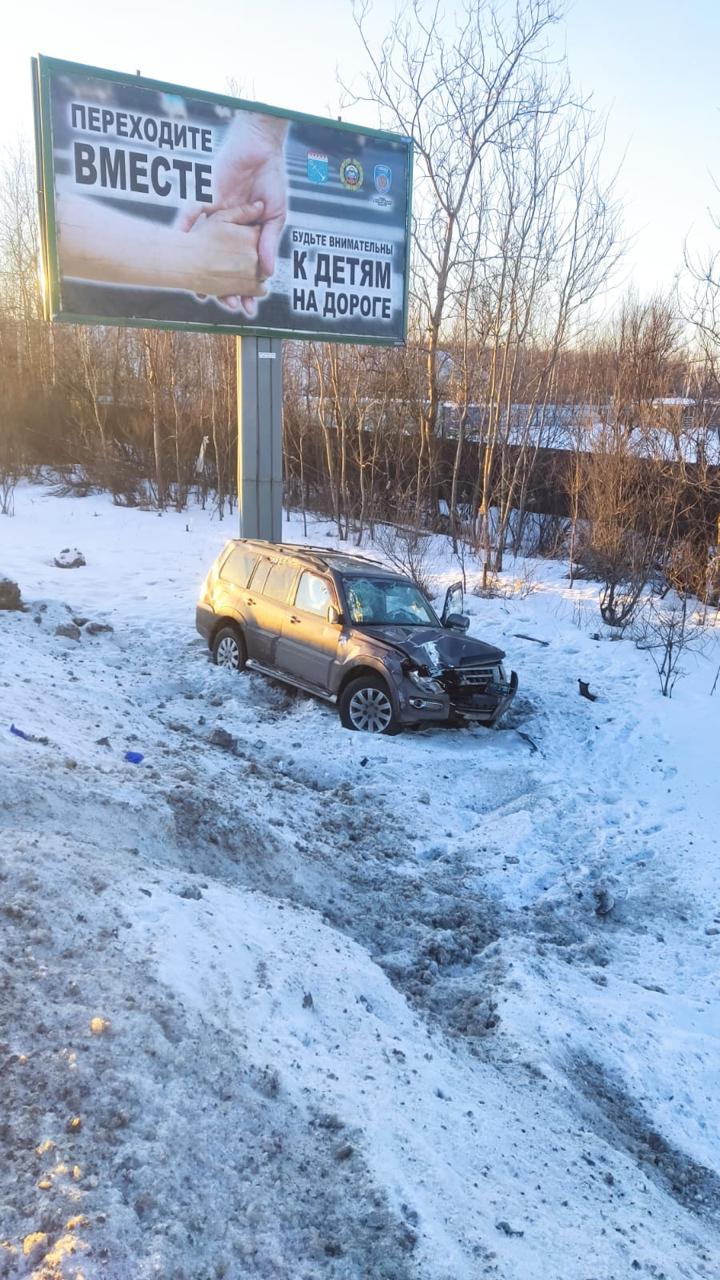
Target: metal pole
x=259, y=392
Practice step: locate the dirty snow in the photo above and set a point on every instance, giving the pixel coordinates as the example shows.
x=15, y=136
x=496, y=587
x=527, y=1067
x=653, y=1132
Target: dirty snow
x=286, y=1001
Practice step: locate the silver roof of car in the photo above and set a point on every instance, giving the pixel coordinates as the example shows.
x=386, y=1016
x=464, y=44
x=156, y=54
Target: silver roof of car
x=322, y=557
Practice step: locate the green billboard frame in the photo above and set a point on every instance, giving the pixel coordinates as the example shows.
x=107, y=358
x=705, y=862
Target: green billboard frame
x=43, y=68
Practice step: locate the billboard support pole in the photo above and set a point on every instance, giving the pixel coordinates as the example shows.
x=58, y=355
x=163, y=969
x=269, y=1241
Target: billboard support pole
x=259, y=398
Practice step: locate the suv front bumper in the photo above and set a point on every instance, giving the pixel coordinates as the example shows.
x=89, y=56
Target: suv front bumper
x=418, y=707
x=487, y=707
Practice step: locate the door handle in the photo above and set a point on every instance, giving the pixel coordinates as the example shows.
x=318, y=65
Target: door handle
x=294, y=619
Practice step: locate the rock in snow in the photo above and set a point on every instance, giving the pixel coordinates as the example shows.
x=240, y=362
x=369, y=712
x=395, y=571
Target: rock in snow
x=10, y=597
x=70, y=558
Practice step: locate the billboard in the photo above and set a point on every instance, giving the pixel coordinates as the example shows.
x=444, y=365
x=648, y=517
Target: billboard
x=170, y=207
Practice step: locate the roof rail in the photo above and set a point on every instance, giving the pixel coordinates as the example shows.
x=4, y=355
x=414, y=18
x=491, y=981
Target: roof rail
x=323, y=554
x=329, y=552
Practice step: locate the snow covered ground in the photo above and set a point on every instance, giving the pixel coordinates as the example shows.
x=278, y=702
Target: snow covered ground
x=286, y=1001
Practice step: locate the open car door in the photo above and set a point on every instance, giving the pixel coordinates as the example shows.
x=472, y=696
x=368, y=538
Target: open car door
x=454, y=601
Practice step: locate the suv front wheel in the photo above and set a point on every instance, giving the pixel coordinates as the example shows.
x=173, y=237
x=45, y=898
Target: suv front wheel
x=228, y=649
x=365, y=705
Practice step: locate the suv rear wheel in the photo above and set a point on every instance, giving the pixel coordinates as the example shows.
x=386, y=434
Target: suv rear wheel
x=365, y=705
x=228, y=648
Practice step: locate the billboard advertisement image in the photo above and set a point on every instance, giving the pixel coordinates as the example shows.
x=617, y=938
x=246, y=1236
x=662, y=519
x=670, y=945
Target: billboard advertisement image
x=165, y=206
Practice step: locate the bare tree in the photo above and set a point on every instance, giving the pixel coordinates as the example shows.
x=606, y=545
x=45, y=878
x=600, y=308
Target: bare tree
x=461, y=97
x=513, y=232
x=629, y=504
x=667, y=632
x=20, y=284
x=556, y=239
x=408, y=549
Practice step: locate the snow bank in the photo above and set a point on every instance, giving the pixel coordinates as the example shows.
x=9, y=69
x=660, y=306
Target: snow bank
x=439, y=1006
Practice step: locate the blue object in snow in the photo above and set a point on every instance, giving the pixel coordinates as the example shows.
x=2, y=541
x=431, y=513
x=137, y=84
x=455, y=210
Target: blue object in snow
x=28, y=737
x=134, y=757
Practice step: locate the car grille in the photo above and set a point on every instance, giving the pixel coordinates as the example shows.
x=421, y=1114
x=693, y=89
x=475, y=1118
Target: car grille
x=476, y=678
x=464, y=684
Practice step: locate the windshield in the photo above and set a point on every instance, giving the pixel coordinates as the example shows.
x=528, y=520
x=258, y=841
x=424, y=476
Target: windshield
x=382, y=601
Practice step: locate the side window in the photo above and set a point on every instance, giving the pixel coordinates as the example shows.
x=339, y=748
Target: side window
x=279, y=582
x=260, y=575
x=313, y=595
x=238, y=567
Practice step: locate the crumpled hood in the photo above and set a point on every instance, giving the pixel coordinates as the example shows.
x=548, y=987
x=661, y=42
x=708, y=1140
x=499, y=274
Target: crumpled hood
x=435, y=647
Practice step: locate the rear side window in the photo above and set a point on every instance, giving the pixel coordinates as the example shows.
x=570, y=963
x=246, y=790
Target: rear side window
x=260, y=575
x=279, y=582
x=313, y=595
x=238, y=566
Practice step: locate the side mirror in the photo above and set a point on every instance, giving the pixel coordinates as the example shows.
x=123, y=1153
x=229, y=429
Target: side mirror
x=457, y=622
x=454, y=601
x=333, y=615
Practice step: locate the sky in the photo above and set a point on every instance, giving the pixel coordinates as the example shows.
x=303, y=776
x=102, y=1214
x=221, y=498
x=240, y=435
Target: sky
x=650, y=65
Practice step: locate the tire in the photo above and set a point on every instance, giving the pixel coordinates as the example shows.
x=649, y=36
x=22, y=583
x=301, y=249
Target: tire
x=228, y=648
x=365, y=706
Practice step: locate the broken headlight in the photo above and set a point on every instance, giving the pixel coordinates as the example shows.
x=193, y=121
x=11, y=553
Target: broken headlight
x=426, y=683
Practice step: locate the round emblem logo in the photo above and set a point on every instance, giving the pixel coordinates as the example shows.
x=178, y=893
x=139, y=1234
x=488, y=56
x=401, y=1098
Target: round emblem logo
x=351, y=174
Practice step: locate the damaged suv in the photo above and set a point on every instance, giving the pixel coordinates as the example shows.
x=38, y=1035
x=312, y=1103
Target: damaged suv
x=346, y=629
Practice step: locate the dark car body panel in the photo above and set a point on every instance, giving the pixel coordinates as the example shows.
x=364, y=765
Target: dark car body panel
x=205, y=620
x=436, y=648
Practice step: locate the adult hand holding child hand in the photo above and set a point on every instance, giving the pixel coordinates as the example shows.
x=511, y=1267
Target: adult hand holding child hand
x=219, y=258
x=250, y=171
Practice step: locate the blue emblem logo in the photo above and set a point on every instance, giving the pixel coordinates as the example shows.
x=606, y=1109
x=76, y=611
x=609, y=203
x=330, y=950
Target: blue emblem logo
x=383, y=178
x=318, y=168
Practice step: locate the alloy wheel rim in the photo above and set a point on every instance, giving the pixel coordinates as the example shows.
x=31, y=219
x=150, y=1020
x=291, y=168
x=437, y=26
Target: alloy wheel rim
x=370, y=710
x=228, y=653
